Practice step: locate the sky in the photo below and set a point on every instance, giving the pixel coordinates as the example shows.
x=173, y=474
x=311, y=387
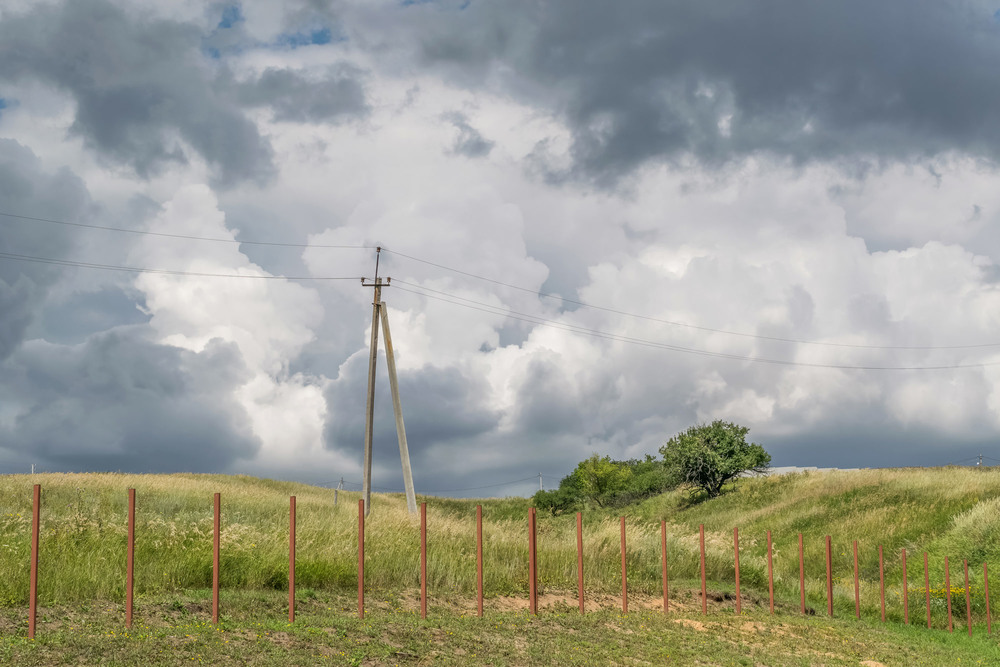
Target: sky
x=604, y=223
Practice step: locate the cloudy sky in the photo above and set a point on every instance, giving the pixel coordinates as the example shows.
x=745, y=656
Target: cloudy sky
x=604, y=222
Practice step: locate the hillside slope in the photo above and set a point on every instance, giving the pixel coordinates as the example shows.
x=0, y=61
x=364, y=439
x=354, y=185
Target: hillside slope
x=946, y=512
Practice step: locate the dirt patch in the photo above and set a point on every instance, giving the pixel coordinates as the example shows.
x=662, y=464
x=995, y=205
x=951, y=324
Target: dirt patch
x=690, y=623
x=871, y=663
x=680, y=602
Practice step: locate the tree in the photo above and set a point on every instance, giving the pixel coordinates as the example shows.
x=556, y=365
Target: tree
x=566, y=498
x=709, y=455
x=601, y=478
x=606, y=483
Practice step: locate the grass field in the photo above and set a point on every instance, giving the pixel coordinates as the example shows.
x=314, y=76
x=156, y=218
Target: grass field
x=174, y=630
x=946, y=512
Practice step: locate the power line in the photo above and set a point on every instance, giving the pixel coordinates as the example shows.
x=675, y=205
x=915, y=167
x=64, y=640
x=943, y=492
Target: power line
x=955, y=463
x=483, y=278
x=685, y=324
x=135, y=269
x=596, y=333
x=146, y=232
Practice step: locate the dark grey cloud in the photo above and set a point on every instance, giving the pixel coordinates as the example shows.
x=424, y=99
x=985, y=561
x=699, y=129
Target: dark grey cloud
x=469, y=141
x=120, y=402
x=135, y=82
x=337, y=96
x=441, y=405
x=72, y=318
x=26, y=188
x=660, y=79
x=442, y=408
x=885, y=445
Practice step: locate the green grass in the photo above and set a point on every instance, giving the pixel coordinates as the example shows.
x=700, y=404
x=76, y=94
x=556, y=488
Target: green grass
x=949, y=512
x=174, y=630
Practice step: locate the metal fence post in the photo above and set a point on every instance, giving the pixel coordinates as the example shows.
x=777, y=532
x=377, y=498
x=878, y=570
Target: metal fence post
x=663, y=552
x=361, y=558
x=291, y=560
x=36, y=501
x=215, y=558
x=479, y=559
x=130, y=559
x=704, y=588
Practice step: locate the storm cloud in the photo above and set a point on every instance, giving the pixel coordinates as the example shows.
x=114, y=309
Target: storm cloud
x=121, y=402
x=337, y=96
x=603, y=224
x=660, y=80
x=27, y=187
x=137, y=84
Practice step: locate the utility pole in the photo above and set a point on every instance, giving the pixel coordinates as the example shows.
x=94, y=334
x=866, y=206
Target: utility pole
x=980, y=460
x=380, y=312
x=366, y=489
x=397, y=409
x=540, y=482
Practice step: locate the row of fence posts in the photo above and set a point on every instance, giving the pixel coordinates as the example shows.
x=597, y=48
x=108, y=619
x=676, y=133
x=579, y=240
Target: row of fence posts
x=532, y=568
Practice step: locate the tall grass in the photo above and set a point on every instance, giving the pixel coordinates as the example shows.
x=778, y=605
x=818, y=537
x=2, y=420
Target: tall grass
x=945, y=511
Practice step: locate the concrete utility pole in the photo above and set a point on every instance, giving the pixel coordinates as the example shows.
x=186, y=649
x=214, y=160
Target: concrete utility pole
x=380, y=312
x=540, y=482
x=366, y=488
x=397, y=409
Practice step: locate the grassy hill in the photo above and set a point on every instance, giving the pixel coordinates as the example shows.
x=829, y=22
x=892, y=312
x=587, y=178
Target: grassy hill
x=945, y=512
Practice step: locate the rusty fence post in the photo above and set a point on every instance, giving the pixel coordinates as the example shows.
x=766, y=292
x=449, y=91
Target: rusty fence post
x=423, y=560
x=906, y=593
x=130, y=559
x=736, y=555
x=881, y=580
x=986, y=594
x=624, y=573
x=704, y=588
x=947, y=585
x=927, y=590
x=36, y=501
x=829, y=577
x=215, y=557
x=361, y=558
x=770, y=575
x=857, y=587
x=802, y=575
x=479, y=559
x=579, y=560
x=532, y=565
x=663, y=558
x=291, y=559
x=968, y=603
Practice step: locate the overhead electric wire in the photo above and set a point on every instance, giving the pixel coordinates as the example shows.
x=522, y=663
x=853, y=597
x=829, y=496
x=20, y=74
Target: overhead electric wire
x=136, y=269
x=596, y=333
x=146, y=232
x=490, y=280
x=685, y=324
x=955, y=463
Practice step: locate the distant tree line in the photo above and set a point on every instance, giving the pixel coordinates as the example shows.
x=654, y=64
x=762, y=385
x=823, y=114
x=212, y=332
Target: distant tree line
x=703, y=458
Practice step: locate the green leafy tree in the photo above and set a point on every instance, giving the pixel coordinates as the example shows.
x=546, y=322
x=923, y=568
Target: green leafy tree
x=601, y=478
x=709, y=455
x=566, y=498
